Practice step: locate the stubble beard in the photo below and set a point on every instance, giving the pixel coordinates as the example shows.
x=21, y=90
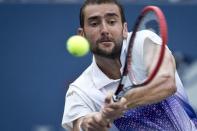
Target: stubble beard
x=111, y=54
x=114, y=53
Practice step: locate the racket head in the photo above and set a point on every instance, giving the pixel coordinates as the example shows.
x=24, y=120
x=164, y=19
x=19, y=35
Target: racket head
x=145, y=51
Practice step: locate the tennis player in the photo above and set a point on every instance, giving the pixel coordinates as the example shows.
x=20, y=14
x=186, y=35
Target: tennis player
x=88, y=104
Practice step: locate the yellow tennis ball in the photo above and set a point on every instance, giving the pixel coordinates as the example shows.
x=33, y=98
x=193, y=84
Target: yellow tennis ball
x=77, y=46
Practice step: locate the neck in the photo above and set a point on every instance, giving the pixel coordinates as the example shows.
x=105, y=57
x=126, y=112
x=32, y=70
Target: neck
x=110, y=67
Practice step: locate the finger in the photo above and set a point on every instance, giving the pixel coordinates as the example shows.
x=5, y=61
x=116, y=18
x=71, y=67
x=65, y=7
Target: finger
x=96, y=126
x=123, y=100
x=116, y=106
x=121, y=103
x=124, y=103
x=93, y=125
x=112, y=114
x=101, y=120
x=101, y=126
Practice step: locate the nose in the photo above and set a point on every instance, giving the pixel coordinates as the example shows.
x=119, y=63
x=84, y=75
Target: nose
x=104, y=29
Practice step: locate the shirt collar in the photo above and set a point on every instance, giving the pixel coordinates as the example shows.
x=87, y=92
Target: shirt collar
x=99, y=78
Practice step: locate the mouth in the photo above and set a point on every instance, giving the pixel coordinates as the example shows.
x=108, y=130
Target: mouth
x=106, y=43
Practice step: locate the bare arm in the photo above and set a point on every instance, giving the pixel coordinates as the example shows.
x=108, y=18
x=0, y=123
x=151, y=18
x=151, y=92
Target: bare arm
x=162, y=86
x=90, y=122
x=101, y=121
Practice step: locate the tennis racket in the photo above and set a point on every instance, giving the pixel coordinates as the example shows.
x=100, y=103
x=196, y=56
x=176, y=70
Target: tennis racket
x=145, y=51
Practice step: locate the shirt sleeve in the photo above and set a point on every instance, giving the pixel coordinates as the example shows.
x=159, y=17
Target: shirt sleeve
x=138, y=66
x=75, y=107
x=138, y=53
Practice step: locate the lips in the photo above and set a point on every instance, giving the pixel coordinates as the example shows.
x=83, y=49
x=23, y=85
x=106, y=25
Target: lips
x=106, y=44
x=105, y=40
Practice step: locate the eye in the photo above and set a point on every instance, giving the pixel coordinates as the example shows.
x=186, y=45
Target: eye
x=94, y=23
x=112, y=22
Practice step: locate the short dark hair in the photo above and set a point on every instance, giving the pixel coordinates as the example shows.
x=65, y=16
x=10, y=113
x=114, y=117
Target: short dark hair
x=88, y=2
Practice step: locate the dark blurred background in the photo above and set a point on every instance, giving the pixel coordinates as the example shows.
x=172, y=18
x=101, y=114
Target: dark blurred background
x=35, y=68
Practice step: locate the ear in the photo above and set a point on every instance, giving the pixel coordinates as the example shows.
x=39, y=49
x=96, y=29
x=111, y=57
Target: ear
x=125, y=30
x=80, y=32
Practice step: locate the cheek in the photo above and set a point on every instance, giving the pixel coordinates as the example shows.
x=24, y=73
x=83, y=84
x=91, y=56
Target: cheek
x=91, y=39
x=91, y=35
x=118, y=35
x=119, y=32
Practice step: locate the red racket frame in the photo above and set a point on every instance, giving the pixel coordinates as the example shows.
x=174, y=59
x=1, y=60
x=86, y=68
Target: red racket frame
x=163, y=31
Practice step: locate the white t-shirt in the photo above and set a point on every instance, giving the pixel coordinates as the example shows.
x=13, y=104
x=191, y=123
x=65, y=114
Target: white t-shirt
x=87, y=93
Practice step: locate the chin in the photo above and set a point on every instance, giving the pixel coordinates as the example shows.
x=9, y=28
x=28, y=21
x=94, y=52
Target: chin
x=107, y=51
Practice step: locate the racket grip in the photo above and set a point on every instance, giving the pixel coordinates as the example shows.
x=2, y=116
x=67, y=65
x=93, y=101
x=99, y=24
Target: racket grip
x=119, y=95
x=115, y=98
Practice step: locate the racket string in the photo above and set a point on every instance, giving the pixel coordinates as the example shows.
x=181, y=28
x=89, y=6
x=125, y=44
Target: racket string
x=150, y=20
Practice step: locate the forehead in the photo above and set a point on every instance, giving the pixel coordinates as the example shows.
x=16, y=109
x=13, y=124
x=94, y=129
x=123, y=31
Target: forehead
x=101, y=10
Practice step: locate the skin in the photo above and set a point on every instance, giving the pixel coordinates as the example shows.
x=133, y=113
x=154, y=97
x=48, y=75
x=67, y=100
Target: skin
x=105, y=32
x=162, y=86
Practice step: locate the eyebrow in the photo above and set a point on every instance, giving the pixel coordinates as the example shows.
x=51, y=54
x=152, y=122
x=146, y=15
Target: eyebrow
x=111, y=15
x=93, y=18
x=106, y=15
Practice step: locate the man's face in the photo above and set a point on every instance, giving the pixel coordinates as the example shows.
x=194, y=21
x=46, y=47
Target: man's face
x=104, y=29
